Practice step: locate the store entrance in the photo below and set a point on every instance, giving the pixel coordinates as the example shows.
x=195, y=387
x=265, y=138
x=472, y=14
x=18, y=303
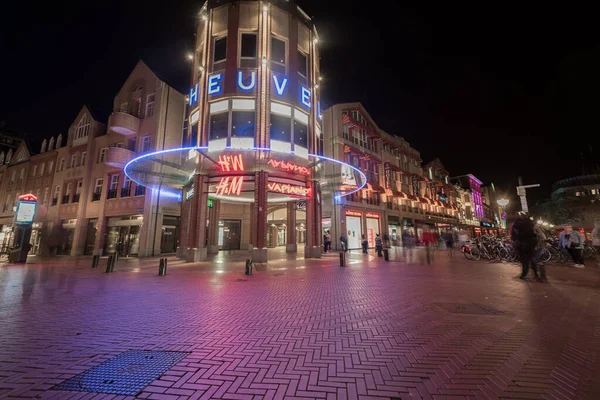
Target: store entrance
x=230, y=231
x=124, y=240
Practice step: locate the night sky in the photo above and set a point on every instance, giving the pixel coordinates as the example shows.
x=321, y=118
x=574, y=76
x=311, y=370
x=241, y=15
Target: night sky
x=498, y=92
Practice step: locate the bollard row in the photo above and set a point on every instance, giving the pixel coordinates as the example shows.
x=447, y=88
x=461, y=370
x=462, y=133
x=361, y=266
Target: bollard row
x=162, y=267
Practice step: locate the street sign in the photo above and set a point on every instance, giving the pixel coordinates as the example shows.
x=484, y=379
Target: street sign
x=503, y=216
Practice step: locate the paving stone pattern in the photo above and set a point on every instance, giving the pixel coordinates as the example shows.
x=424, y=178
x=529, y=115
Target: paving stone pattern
x=307, y=330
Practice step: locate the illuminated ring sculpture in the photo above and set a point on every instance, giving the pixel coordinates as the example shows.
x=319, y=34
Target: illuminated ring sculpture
x=231, y=172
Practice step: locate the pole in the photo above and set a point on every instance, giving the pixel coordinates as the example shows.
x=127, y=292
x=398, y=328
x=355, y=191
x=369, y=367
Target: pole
x=160, y=185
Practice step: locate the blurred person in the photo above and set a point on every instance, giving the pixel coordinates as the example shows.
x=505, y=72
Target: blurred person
x=344, y=242
x=408, y=242
x=539, y=249
x=525, y=241
x=573, y=242
x=386, y=240
x=378, y=245
x=449, y=240
x=365, y=244
x=429, y=240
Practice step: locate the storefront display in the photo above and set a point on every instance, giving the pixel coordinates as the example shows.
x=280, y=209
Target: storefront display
x=123, y=235
x=372, y=222
x=354, y=229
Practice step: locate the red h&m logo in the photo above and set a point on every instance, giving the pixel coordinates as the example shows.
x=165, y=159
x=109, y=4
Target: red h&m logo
x=230, y=186
x=231, y=163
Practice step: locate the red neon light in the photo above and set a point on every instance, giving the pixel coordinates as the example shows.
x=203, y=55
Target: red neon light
x=230, y=186
x=286, y=188
x=27, y=197
x=354, y=213
x=231, y=163
x=371, y=215
x=298, y=169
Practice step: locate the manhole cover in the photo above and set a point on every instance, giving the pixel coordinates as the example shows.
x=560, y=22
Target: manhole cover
x=127, y=373
x=241, y=280
x=469, y=308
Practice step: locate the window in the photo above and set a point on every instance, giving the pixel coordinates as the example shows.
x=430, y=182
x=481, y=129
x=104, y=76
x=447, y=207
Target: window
x=278, y=52
x=146, y=143
x=83, y=157
x=218, y=126
x=21, y=174
x=79, y=187
x=300, y=134
x=67, y=194
x=9, y=156
x=73, y=161
x=248, y=52
x=114, y=186
x=83, y=128
x=281, y=128
x=42, y=169
x=150, y=105
x=220, y=53
x=98, y=189
x=50, y=166
x=61, y=166
x=56, y=192
x=303, y=65
x=102, y=155
x=124, y=107
x=126, y=189
x=34, y=170
x=242, y=124
x=46, y=193
x=69, y=187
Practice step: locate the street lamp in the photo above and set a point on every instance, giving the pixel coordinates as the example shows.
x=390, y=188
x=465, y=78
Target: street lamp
x=503, y=202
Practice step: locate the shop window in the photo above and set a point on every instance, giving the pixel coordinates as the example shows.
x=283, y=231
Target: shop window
x=220, y=53
x=281, y=128
x=242, y=124
x=303, y=68
x=248, y=51
x=278, y=55
x=218, y=126
x=300, y=134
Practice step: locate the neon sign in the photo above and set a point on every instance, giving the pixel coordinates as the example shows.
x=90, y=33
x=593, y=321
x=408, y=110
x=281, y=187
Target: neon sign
x=214, y=84
x=305, y=96
x=280, y=86
x=250, y=86
x=194, y=95
x=371, y=215
x=298, y=169
x=230, y=186
x=353, y=213
x=231, y=163
x=286, y=188
x=27, y=197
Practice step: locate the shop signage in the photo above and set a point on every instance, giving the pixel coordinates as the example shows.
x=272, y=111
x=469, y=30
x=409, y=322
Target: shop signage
x=301, y=205
x=280, y=86
x=230, y=185
x=289, y=167
x=26, y=209
x=231, y=163
x=371, y=215
x=354, y=213
x=189, y=194
x=286, y=188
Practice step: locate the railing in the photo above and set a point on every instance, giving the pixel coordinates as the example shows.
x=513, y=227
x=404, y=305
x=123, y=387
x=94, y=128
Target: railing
x=112, y=194
x=96, y=196
x=140, y=190
x=125, y=192
x=65, y=199
x=76, y=198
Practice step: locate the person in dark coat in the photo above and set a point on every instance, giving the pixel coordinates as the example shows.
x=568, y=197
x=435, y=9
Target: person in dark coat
x=525, y=242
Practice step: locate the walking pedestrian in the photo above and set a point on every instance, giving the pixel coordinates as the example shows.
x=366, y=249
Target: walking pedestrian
x=327, y=241
x=429, y=240
x=449, y=240
x=407, y=246
x=344, y=242
x=378, y=245
x=573, y=242
x=525, y=241
x=365, y=244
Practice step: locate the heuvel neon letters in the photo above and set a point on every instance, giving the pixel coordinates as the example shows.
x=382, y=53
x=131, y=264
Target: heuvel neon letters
x=297, y=169
x=286, y=188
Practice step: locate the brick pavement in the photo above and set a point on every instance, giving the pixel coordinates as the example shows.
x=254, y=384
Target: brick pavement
x=307, y=329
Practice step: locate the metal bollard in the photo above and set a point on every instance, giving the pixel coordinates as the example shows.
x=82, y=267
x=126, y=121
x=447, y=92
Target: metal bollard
x=165, y=266
x=161, y=267
x=343, y=259
x=108, y=264
x=386, y=255
x=95, y=261
x=248, y=267
x=114, y=261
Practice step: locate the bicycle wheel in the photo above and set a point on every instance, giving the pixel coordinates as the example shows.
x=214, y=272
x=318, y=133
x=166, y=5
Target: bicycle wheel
x=545, y=255
x=467, y=253
x=476, y=254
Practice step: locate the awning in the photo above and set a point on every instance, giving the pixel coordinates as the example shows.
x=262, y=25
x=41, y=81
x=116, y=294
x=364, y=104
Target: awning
x=424, y=200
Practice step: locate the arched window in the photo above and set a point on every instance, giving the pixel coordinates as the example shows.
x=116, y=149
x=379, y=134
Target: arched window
x=9, y=156
x=44, y=146
x=51, y=145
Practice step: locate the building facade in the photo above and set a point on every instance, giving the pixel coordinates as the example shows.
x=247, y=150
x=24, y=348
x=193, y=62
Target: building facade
x=398, y=195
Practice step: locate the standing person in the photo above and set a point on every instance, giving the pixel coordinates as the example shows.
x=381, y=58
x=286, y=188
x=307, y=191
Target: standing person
x=573, y=242
x=327, y=241
x=365, y=244
x=428, y=240
x=449, y=240
x=539, y=249
x=378, y=245
x=407, y=245
x=344, y=242
x=523, y=236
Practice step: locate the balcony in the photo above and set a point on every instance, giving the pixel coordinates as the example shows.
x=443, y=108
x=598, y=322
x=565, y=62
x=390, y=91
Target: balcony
x=124, y=123
x=96, y=196
x=125, y=192
x=112, y=194
x=118, y=157
x=140, y=190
